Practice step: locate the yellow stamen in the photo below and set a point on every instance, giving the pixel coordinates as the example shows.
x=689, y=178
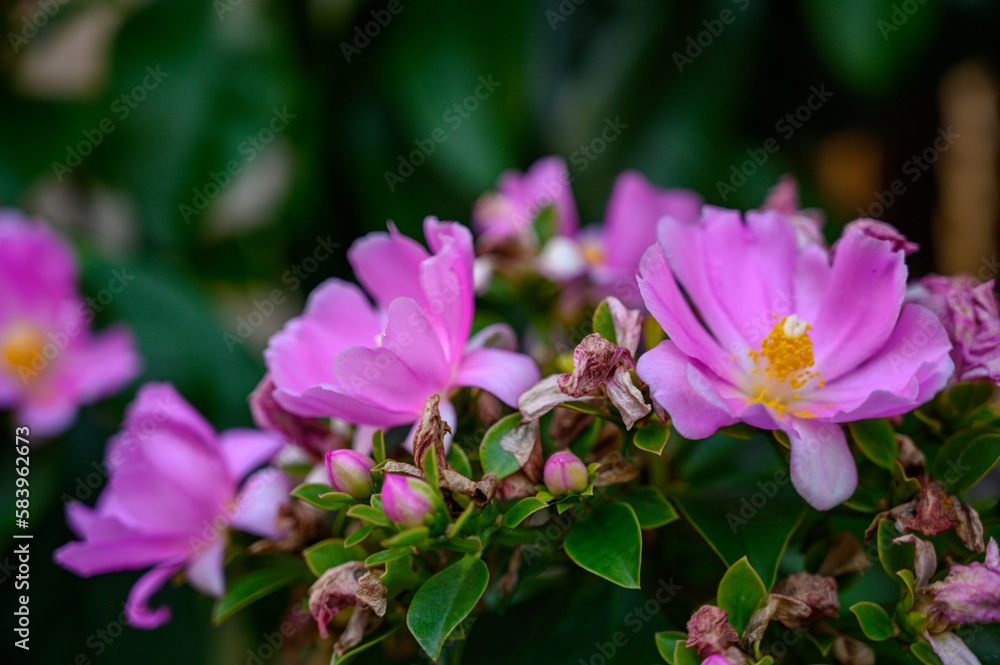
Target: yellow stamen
x=786, y=358
x=21, y=346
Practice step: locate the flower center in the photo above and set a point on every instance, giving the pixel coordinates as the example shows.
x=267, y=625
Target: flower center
x=593, y=252
x=784, y=362
x=20, y=346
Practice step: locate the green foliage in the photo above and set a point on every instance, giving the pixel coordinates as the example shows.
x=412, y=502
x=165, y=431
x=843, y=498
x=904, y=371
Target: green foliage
x=522, y=510
x=608, y=543
x=874, y=621
x=321, y=496
x=444, y=600
x=492, y=455
x=652, y=438
x=278, y=574
x=876, y=439
x=740, y=592
x=603, y=323
x=330, y=553
x=651, y=508
x=966, y=457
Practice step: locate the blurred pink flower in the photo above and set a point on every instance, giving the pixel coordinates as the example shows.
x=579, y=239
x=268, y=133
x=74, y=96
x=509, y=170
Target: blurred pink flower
x=968, y=310
x=971, y=594
x=785, y=337
x=510, y=211
x=50, y=363
x=377, y=366
x=174, y=490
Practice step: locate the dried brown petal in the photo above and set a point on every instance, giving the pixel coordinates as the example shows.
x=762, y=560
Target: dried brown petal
x=845, y=554
x=709, y=631
x=335, y=589
x=925, y=558
x=931, y=513
x=594, y=360
x=818, y=592
x=626, y=397
x=371, y=592
x=848, y=651
x=516, y=486
x=628, y=324
x=449, y=479
x=360, y=623
x=430, y=432
x=525, y=444
x=912, y=459
x=615, y=470
x=789, y=611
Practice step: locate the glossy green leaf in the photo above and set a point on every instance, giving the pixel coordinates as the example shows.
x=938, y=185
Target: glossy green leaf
x=604, y=325
x=330, y=553
x=391, y=554
x=432, y=474
x=965, y=458
x=924, y=652
x=608, y=543
x=254, y=586
x=491, y=453
x=650, y=506
x=876, y=439
x=740, y=592
x=443, y=601
x=685, y=655
x=358, y=536
x=522, y=510
x=893, y=557
x=666, y=643
x=414, y=536
x=965, y=398
x=378, y=446
x=367, y=643
x=369, y=515
x=983, y=640
x=874, y=621
x=459, y=460
x=312, y=493
x=399, y=576
x=652, y=438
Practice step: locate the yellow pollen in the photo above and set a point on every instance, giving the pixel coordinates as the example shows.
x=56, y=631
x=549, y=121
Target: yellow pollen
x=788, y=351
x=593, y=253
x=20, y=346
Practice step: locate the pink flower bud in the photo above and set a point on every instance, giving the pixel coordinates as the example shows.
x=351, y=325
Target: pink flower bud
x=564, y=472
x=350, y=472
x=411, y=502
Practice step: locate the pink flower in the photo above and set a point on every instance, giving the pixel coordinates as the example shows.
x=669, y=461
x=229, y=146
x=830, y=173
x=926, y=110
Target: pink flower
x=412, y=502
x=520, y=197
x=565, y=473
x=609, y=255
x=971, y=594
x=350, y=472
x=174, y=489
x=784, y=198
x=968, y=310
x=373, y=366
x=50, y=363
x=786, y=338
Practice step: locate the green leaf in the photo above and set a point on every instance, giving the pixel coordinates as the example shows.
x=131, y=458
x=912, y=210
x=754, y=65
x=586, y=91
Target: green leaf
x=378, y=446
x=583, y=407
x=369, y=514
x=312, y=494
x=431, y=472
x=254, y=586
x=330, y=553
x=874, y=621
x=414, y=536
x=965, y=398
x=338, y=497
x=876, y=439
x=965, y=458
x=387, y=555
x=459, y=460
x=604, y=325
x=358, y=536
x=924, y=652
x=522, y=510
x=892, y=557
x=608, y=543
x=492, y=455
x=740, y=592
x=983, y=640
x=685, y=655
x=443, y=601
x=650, y=506
x=666, y=643
x=399, y=576
x=652, y=438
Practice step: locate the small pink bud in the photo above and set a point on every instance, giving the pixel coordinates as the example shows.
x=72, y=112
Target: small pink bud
x=350, y=472
x=564, y=473
x=411, y=502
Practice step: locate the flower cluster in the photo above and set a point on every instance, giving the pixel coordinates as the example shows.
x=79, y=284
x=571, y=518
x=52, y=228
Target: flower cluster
x=439, y=470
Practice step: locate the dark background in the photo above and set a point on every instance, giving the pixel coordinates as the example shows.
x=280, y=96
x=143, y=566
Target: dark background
x=564, y=69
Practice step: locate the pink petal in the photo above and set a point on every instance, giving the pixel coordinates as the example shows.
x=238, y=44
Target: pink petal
x=258, y=503
x=127, y=552
x=690, y=393
x=494, y=336
x=388, y=266
x=447, y=283
x=205, y=572
x=504, y=373
x=137, y=608
x=859, y=310
x=410, y=337
x=823, y=470
x=246, y=449
x=329, y=401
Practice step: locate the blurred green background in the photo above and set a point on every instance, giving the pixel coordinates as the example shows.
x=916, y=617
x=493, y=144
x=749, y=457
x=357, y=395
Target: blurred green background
x=272, y=125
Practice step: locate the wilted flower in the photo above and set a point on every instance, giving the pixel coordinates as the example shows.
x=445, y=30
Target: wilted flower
x=174, y=489
x=968, y=310
x=786, y=338
x=709, y=633
x=882, y=231
x=411, y=502
x=350, y=472
x=564, y=473
x=971, y=593
x=344, y=358
x=50, y=363
x=343, y=586
x=511, y=210
x=307, y=433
